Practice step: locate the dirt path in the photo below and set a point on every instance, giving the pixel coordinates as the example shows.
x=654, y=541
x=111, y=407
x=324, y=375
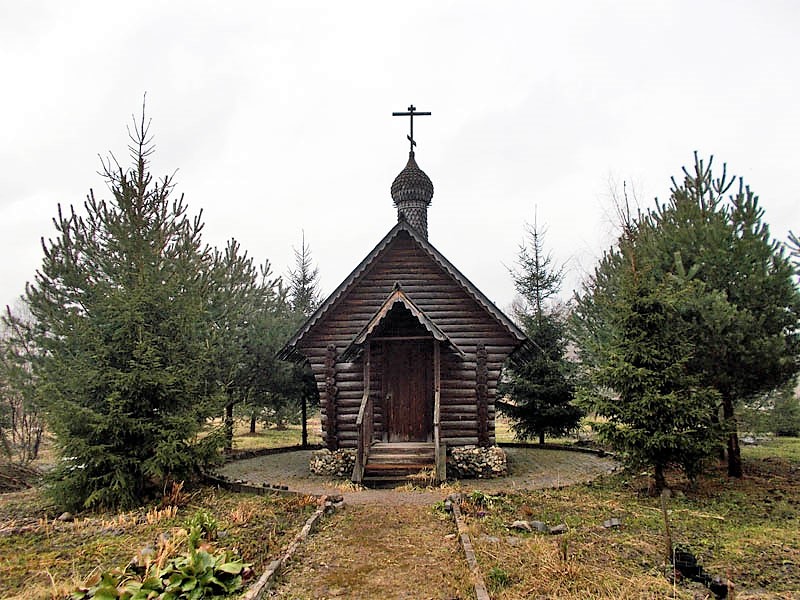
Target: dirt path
x=372, y=551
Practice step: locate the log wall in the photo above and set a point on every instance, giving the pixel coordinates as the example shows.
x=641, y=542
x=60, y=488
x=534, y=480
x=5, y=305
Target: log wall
x=448, y=305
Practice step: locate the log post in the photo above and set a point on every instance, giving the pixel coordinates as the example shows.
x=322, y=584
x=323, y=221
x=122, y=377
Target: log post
x=482, y=394
x=304, y=418
x=330, y=398
x=439, y=456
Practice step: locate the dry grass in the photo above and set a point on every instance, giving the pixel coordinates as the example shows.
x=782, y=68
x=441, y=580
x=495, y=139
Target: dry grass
x=745, y=530
x=380, y=552
x=274, y=438
x=45, y=558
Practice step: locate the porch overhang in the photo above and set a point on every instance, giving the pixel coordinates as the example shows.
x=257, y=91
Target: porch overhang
x=397, y=295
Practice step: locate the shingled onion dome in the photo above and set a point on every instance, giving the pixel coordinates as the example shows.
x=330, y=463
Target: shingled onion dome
x=412, y=191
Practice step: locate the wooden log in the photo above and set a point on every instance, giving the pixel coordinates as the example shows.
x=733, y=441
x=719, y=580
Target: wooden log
x=461, y=440
x=469, y=426
x=347, y=384
x=330, y=398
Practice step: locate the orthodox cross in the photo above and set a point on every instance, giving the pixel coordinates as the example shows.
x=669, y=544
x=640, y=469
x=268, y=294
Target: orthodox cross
x=411, y=112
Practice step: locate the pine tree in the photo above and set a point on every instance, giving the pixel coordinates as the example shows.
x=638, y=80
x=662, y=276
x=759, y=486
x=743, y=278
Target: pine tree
x=21, y=419
x=245, y=302
x=539, y=386
x=744, y=326
x=657, y=413
x=270, y=382
x=726, y=241
x=794, y=246
x=120, y=320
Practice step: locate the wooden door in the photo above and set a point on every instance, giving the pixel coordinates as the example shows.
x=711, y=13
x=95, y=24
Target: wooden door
x=408, y=390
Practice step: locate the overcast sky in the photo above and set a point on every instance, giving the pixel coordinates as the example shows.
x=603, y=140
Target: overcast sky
x=276, y=116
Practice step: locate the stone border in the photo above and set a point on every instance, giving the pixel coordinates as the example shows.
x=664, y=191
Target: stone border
x=466, y=543
x=257, y=590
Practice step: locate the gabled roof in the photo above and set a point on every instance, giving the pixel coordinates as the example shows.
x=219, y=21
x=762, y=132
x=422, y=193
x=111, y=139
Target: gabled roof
x=398, y=295
x=289, y=351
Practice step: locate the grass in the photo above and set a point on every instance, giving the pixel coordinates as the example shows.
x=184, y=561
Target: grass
x=44, y=558
x=745, y=530
x=272, y=437
x=505, y=434
x=782, y=448
x=372, y=551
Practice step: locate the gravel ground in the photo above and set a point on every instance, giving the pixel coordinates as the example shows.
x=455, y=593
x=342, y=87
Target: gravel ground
x=531, y=468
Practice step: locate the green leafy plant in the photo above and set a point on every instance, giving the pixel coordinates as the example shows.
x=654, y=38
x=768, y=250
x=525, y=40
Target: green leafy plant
x=479, y=499
x=195, y=574
x=205, y=522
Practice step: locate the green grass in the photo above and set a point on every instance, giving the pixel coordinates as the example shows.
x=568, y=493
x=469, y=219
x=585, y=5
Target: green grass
x=272, y=437
x=785, y=448
x=504, y=432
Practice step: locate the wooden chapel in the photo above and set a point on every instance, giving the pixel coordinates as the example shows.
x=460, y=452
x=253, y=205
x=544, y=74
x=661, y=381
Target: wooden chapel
x=406, y=352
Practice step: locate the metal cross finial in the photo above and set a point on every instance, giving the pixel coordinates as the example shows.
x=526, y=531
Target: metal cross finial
x=411, y=112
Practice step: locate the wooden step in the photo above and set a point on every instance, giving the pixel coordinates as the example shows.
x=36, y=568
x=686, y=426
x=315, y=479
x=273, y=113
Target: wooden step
x=401, y=449
x=387, y=480
x=391, y=454
x=402, y=445
x=407, y=467
x=397, y=463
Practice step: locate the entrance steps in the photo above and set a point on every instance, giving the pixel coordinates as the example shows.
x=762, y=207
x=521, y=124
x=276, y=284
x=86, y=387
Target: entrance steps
x=398, y=462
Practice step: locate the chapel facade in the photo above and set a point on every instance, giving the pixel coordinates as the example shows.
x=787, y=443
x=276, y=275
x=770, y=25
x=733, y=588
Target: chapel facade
x=406, y=352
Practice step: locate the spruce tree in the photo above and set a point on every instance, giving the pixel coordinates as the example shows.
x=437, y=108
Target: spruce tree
x=539, y=385
x=304, y=282
x=121, y=324
x=305, y=299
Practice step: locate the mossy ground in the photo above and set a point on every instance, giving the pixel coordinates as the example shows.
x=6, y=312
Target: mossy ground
x=373, y=551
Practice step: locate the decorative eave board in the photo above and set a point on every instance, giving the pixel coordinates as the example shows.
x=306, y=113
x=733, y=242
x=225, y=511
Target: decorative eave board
x=398, y=295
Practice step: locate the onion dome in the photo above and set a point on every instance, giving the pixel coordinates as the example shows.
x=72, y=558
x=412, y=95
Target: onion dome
x=412, y=191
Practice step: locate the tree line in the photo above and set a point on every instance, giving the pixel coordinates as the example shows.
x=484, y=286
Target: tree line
x=138, y=344
x=137, y=341
x=690, y=318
